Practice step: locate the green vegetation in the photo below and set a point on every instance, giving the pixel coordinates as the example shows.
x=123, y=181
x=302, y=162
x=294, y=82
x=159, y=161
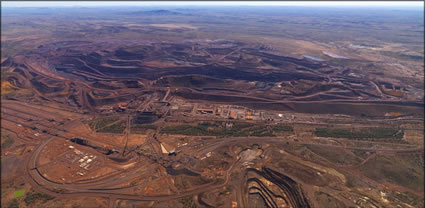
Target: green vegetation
x=107, y=125
x=200, y=130
x=203, y=130
x=260, y=131
x=19, y=193
x=208, y=125
x=142, y=128
x=32, y=197
x=7, y=142
x=100, y=123
x=114, y=128
x=366, y=133
x=237, y=130
x=282, y=128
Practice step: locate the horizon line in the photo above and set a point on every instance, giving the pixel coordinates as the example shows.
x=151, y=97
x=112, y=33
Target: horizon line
x=35, y=4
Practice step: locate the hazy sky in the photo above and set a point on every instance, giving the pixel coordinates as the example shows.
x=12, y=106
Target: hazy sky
x=208, y=3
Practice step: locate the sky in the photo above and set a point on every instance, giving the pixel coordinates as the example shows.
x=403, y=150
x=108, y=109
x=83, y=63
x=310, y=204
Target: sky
x=417, y=4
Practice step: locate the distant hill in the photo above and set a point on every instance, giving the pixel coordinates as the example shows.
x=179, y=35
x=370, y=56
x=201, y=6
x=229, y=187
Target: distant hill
x=158, y=12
